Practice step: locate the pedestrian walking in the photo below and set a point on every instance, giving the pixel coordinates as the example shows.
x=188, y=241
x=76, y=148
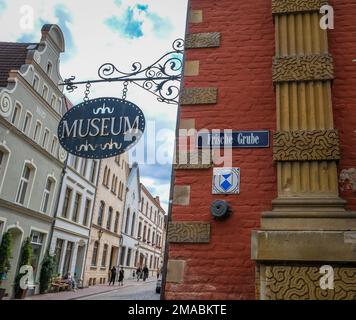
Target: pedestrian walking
x=138, y=273
x=145, y=273
x=112, y=276
x=121, y=276
x=158, y=273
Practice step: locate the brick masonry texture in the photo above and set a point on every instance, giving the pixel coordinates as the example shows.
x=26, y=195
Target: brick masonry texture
x=241, y=69
x=342, y=42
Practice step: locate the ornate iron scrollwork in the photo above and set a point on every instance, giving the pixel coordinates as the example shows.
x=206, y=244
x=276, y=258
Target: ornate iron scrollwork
x=162, y=78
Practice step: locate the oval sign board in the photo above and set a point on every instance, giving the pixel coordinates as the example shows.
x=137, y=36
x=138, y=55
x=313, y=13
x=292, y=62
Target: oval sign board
x=101, y=128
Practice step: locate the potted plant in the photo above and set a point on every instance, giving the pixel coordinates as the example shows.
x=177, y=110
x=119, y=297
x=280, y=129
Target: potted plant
x=5, y=253
x=25, y=259
x=47, y=272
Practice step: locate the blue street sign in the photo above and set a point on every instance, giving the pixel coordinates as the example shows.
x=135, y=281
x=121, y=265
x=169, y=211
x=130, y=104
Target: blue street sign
x=234, y=139
x=101, y=128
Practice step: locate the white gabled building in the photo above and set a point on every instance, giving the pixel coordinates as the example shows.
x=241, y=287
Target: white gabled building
x=31, y=160
x=143, y=228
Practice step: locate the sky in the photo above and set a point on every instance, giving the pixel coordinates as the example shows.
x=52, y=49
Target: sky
x=116, y=31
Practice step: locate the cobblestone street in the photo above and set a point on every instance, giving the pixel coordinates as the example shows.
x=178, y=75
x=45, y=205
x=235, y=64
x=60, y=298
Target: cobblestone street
x=132, y=290
x=138, y=291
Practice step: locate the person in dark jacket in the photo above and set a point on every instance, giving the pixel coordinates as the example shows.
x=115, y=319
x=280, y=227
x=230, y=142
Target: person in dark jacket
x=138, y=273
x=121, y=276
x=145, y=273
x=112, y=276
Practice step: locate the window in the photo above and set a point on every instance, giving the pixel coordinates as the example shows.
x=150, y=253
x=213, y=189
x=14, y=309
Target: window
x=151, y=261
x=105, y=253
x=36, y=244
x=151, y=213
x=128, y=258
x=108, y=222
x=113, y=183
x=59, y=106
x=153, y=238
x=86, y=212
x=47, y=195
x=108, y=178
x=146, y=208
x=4, y=156
x=24, y=185
x=16, y=114
x=76, y=162
x=35, y=82
x=53, y=101
x=105, y=174
x=27, y=123
x=93, y=171
x=45, y=139
x=67, y=198
x=101, y=213
x=127, y=221
x=144, y=234
x=49, y=68
x=94, y=257
x=148, y=235
x=83, y=168
x=117, y=159
x=37, y=131
x=54, y=145
x=139, y=230
x=44, y=92
x=116, y=225
x=142, y=202
x=76, y=209
x=122, y=255
x=58, y=253
x=67, y=258
x=133, y=223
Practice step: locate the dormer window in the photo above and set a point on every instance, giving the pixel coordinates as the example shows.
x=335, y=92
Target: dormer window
x=49, y=68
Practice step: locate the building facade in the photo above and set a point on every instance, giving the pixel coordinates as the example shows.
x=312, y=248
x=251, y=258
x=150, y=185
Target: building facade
x=105, y=235
x=70, y=237
x=290, y=224
x=31, y=161
x=142, y=228
x=150, y=232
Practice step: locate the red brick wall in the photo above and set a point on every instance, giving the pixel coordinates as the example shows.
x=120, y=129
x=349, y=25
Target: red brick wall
x=241, y=70
x=342, y=42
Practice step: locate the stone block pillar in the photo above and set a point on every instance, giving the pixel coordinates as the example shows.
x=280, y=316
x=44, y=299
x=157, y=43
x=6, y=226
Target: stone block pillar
x=308, y=227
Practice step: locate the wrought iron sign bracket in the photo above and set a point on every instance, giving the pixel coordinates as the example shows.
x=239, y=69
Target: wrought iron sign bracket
x=162, y=78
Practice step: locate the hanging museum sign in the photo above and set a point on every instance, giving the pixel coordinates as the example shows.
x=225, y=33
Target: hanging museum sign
x=234, y=139
x=101, y=128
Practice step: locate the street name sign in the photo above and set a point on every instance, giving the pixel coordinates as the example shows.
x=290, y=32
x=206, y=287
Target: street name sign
x=234, y=139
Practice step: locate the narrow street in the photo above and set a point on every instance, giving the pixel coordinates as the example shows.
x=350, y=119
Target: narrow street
x=136, y=291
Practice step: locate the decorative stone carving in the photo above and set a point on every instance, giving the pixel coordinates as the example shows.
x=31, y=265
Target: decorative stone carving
x=5, y=104
x=347, y=179
x=306, y=145
x=202, y=40
x=62, y=154
x=303, y=283
x=189, y=232
x=201, y=159
x=192, y=96
x=303, y=68
x=293, y=6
